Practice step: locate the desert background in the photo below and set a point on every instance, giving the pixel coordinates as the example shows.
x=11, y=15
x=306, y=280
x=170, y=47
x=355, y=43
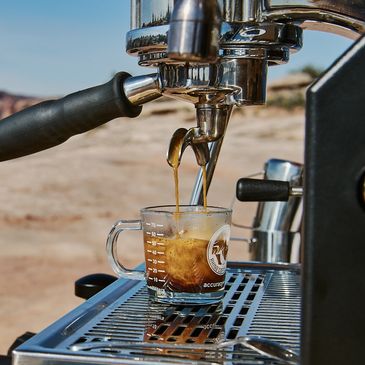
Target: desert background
x=57, y=206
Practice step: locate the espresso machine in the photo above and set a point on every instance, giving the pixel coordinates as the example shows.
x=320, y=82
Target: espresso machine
x=216, y=54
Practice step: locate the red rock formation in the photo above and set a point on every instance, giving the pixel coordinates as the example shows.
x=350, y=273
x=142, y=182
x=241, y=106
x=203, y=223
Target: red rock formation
x=10, y=103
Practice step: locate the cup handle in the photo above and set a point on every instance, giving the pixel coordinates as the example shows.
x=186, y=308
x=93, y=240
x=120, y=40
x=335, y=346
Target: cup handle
x=111, y=249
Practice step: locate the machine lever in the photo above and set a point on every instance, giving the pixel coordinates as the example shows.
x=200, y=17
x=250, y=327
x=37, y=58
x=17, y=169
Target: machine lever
x=52, y=122
x=257, y=190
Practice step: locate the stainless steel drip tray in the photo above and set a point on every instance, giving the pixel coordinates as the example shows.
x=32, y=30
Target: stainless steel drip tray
x=120, y=325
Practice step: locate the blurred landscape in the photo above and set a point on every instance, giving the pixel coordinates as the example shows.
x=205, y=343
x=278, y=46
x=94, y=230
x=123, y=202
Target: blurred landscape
x=57, y=206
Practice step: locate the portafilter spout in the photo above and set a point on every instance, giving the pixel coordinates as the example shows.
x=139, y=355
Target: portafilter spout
x=212, y=120
x=181, y=139
x=205, y=140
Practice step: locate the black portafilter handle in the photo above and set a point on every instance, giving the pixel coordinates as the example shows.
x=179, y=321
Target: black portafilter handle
x=256, y=190
x=52, y=122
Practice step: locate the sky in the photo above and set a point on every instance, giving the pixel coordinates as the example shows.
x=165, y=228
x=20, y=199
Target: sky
x=55, y=47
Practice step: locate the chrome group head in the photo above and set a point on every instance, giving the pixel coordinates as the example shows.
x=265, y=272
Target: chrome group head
x=215, y=53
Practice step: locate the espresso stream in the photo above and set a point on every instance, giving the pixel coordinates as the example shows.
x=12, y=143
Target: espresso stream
x=174, y=162
x=182, y=264
x=176, y=181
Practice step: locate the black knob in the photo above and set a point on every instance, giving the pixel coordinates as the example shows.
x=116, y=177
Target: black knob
x=89, y=285
x=255, y=190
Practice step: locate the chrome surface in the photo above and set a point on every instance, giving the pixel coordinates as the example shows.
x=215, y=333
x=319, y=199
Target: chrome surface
x=277, y=246
x=214, y=151
x=258, y=344
x=194, y=82
x=258, y=31
x=197, y=193
x=252, y=29
x=145, y=13
x=325, y=15
x=152, y=40
x=194, y=31
x=270, y=37
x=212, y=121
x=296, y=191
x=142, y=89
x=264, y=347
x=245, y=51
x=150, y=44
x=247, y=77
x=180, y=38
x=341, y=17
x=276, y=225
x=121, y=326
x=236, y=81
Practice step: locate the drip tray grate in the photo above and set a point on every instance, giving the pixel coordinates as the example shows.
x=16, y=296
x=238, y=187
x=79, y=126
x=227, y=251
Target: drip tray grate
x=121, y=325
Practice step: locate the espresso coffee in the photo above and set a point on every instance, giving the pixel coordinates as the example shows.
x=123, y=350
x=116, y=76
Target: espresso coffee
x=174, y=162
x=183, y=264
x=175, y=170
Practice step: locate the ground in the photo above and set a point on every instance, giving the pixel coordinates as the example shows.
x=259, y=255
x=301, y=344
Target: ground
x=57, y=206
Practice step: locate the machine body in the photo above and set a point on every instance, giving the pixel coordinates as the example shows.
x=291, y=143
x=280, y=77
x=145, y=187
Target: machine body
x=243, y=38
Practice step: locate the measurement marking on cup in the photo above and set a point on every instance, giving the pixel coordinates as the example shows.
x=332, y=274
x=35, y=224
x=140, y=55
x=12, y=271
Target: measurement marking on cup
x=152, y=224
x=160, y=262
x=153, y=278
x=161, y=271
x=160, y=243
x=154, y=252
x=160, y=234
x=149, y=260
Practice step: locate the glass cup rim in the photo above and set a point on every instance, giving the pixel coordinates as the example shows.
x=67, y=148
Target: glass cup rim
x=167, y=209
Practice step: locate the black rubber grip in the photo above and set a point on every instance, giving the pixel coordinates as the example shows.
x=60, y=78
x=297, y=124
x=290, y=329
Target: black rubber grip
x=255, y=190
x=52, y=122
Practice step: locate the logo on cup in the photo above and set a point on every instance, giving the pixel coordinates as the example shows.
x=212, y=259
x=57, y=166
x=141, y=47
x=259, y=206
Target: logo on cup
x=217, y=250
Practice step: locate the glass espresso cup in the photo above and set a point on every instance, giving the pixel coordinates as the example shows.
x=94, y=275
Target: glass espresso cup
x=185, y=252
